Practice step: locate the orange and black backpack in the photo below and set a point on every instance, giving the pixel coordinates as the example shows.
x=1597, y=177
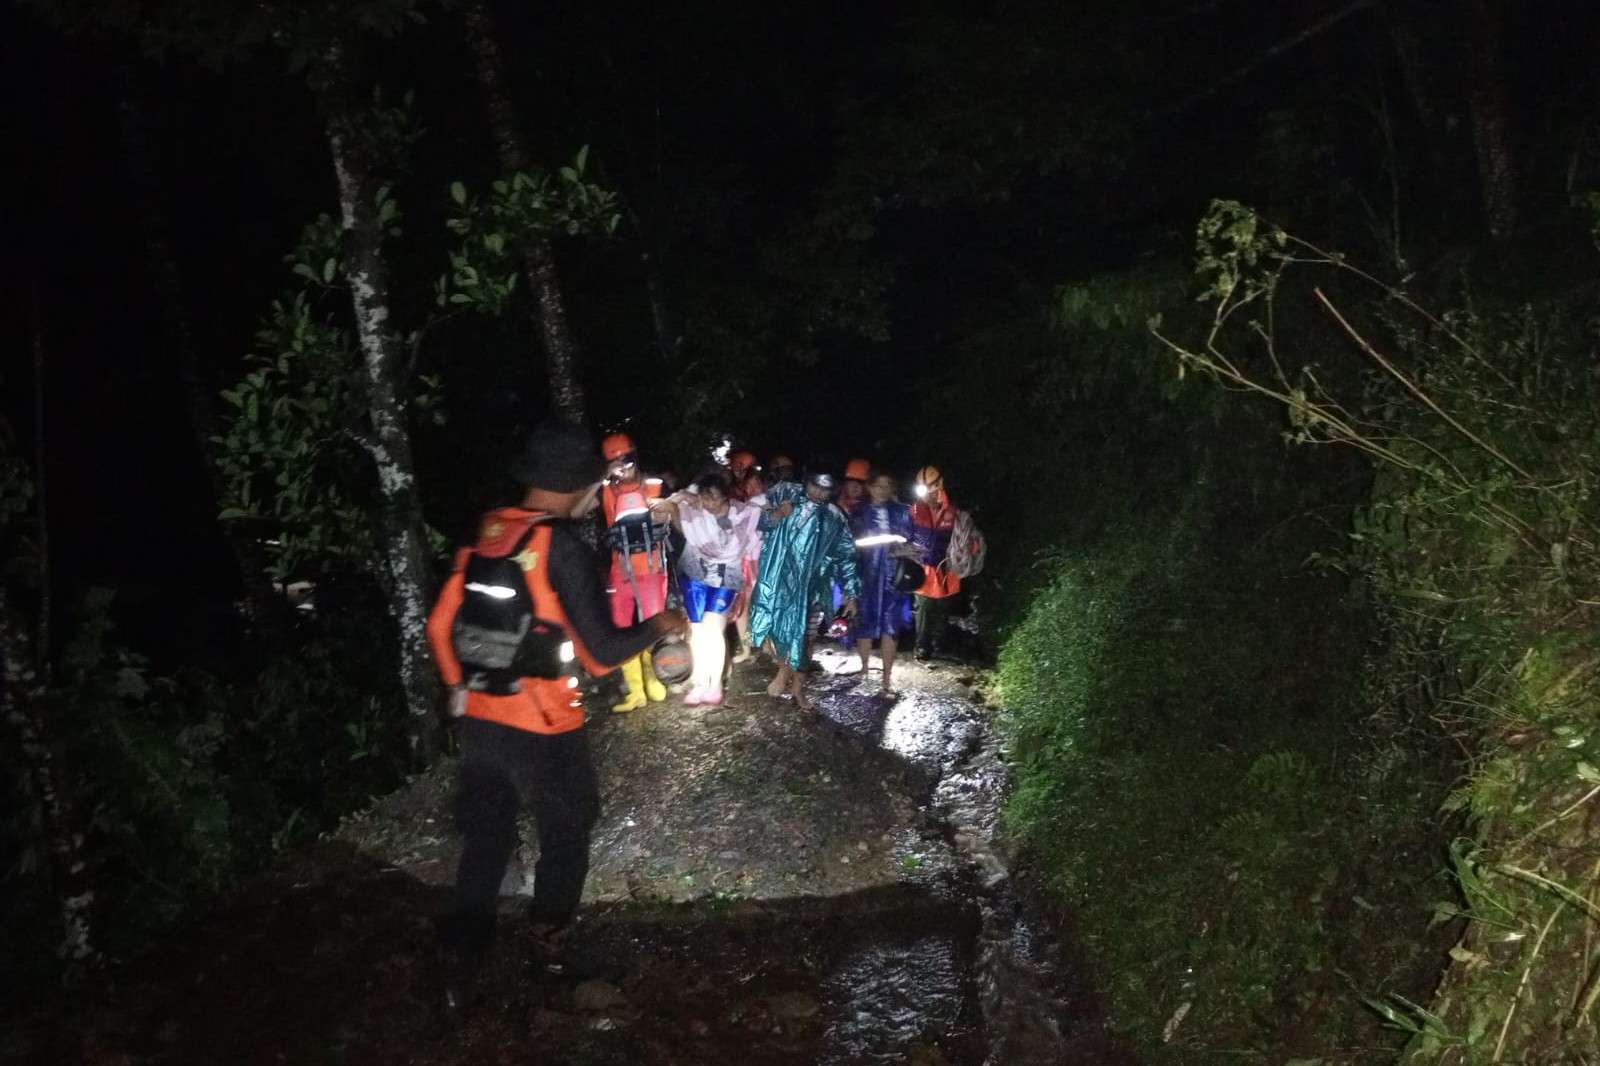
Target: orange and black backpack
x=498, y=637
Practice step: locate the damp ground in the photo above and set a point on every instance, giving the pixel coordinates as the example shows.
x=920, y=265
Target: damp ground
x=769, y=885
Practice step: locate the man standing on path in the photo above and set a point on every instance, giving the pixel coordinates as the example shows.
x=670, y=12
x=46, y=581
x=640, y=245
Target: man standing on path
x=504, y=651
x=933, y=521
x=807, y=546
x=638, y=536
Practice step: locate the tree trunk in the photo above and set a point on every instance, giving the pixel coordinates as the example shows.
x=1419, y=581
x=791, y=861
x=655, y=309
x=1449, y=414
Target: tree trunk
x=563, y=356
x=269, y=611
x=388, y=440
x=41, y=487
x=1489, y=102
x=668, y=340
x=22, y=708
x=1419, y=73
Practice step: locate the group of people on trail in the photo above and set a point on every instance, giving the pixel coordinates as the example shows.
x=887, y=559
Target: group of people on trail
x=524, y=610
x=779, y=556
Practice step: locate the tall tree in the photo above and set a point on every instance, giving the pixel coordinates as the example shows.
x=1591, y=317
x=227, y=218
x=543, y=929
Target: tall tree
x=388, y=436
x=51, y=788
x=1489, y=102
x=318, y=39
x=563, y=356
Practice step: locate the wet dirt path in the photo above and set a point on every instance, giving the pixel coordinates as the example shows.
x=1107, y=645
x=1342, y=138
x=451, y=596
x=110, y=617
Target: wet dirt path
x=769, y=886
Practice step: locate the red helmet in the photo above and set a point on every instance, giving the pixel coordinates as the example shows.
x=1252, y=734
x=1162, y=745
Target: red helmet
x=616, y=446
x=739, y=462
x=857, y=470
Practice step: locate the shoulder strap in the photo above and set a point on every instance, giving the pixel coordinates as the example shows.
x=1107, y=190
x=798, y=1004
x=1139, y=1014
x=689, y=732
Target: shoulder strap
x=521, y=543
x=527, y=535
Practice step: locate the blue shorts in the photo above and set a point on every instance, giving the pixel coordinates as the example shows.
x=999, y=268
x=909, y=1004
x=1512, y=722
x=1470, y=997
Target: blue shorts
x=701, y=599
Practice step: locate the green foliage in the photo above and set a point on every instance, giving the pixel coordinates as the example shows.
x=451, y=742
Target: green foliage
x=16, y=481
x=17, y=513
x=1477, y=550
x=496, y=229
x=189, y=782
x=289, y=451
x=292, y=446
x=1231, y=244
x=1173, y=736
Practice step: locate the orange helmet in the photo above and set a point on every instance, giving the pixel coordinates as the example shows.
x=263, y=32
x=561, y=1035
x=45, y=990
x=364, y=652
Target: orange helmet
x=857, y=470
x=739, y=462
x=616, y=446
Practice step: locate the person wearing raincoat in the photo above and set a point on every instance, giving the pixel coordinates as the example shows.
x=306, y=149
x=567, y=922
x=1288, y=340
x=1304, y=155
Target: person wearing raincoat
x=882, y=527
x=807, y=546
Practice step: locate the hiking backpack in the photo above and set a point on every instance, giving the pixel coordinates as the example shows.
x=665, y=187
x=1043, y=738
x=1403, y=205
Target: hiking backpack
x=967, y=547
x=496, y=636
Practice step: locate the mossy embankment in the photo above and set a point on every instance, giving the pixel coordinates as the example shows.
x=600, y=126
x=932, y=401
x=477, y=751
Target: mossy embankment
x=1240, y=861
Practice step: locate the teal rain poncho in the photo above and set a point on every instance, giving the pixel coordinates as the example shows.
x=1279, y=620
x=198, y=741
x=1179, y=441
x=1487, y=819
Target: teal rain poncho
x=802, y=557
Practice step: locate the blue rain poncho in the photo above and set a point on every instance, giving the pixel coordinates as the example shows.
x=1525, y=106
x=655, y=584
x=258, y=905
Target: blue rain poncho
x=880, y=529
x=801, y=558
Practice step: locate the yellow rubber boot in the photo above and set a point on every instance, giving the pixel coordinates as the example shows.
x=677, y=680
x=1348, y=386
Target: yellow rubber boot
x=652, y=684
x=633, y=676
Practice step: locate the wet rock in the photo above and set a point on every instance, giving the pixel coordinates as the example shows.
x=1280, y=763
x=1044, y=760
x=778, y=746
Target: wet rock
x=792, y=1006
x=595, y=996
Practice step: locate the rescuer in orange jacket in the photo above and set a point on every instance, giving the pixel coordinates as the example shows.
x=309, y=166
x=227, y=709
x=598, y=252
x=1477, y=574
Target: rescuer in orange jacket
x=509, y=652
x=638, y=536
x=933, y=520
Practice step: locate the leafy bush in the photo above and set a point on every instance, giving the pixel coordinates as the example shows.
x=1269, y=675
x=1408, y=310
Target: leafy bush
x=188, y=782
x=1478, y=551
x=1187, y=776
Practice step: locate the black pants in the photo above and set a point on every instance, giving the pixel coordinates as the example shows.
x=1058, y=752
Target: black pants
x=930, y=615
x=502, y=768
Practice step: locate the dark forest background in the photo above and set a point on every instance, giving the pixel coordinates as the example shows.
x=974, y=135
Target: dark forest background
x=1259, y=337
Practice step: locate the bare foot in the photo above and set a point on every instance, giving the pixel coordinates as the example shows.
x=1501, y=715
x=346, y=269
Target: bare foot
x=777, y=686
x=800, y=699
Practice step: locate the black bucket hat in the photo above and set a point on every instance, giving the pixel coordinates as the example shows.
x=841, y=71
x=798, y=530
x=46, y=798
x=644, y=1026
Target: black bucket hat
x=559, y=458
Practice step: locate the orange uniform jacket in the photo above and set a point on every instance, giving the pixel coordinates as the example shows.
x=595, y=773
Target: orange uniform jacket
x=544, y=705
x=631, y=497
